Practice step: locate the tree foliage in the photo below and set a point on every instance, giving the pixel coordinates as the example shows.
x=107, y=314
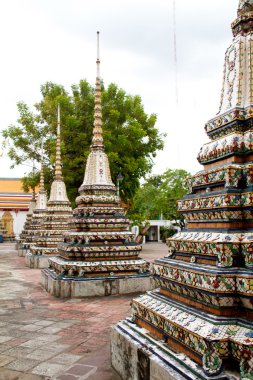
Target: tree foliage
x=158, y=196
x=130, y=136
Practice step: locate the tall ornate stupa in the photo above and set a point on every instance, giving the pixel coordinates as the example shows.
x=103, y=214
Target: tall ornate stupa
x=57, y=217
x=198, y=324
x=36, y=219
x=99, y=255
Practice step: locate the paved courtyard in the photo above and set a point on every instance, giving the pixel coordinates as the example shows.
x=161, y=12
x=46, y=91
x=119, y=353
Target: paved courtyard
x=42, y=337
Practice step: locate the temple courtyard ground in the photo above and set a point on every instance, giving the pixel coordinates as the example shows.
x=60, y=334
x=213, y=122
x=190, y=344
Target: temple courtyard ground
x=42, y=337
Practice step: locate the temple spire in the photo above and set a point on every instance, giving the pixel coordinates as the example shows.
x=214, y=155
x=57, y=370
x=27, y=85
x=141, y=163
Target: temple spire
x=42, y=183
x=97, y=139
x=41, y=202
x=98, y=57
x=58, y=171
x=97, y=171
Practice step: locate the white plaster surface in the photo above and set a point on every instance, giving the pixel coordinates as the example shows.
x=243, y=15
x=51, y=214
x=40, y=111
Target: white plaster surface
x=124, y=357
x=138, y=284
x=36, y=262
x=22, y=252
x=91, y=288
x=58, y=192
x=97, y=169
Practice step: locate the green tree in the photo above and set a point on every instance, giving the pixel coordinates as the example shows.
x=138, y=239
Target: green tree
x=158, y=196
x=130, y=136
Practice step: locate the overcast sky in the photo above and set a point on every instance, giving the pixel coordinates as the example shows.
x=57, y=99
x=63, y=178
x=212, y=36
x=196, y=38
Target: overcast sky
x=55, y=40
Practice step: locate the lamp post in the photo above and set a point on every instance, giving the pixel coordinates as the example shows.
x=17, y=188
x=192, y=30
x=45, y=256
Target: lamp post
x=119, y=179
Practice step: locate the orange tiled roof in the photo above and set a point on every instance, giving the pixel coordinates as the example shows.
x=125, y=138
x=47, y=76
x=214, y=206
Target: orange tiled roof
x=12, y=195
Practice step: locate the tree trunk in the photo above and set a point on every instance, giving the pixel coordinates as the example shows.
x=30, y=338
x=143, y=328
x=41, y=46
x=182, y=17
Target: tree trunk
x=139, y=238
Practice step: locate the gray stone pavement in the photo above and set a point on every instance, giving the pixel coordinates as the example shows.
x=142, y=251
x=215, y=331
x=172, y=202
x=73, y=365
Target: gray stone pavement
x=42, y=337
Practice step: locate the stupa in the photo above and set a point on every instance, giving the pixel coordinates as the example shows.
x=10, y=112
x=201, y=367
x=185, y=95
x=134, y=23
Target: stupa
x=98, y=256
x=198, y=324
x=27, y=221
x=56, y=219
x=36, y=219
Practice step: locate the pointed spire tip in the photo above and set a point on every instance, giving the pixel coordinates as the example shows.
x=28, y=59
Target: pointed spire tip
x=98, y=56
x=97, y=139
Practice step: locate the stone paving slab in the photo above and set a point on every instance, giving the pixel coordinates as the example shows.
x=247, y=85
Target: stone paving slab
x=22, y=364
x=49, y=369
x=4, y=360
x=7, y=374
x=45, y=338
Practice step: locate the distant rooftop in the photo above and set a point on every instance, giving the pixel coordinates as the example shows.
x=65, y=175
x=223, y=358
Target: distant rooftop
x=11, y=185
x=12, y=194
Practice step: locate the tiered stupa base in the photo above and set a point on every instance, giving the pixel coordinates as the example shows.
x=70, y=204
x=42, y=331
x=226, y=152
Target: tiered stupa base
x=37, y=261
x=45, y=245
x=135, y=354
x=96, y=270
x=23, y=249
x=75, y=287
x=38, y=255
x=45, y=249
x=204, y=346
x=96, y=264
x=99, y=256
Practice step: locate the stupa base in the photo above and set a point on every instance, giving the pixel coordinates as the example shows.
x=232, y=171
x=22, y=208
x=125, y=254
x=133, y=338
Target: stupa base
x=135, y=355
x=37, y=261
x=22, y=252
x=75, y=287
